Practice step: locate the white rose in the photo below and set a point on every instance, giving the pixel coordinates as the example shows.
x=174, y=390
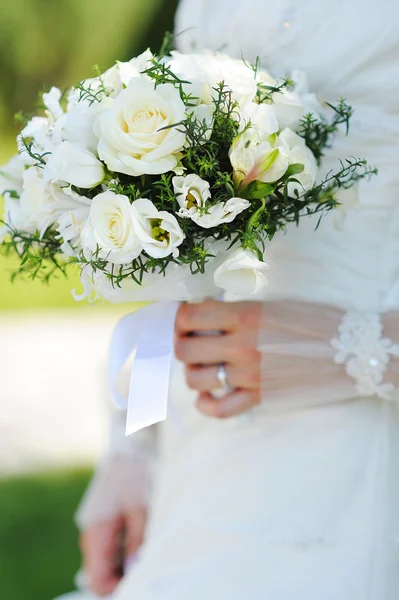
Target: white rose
x=72, y=164
x=110, y=229
x=291, y=105
x=77, y=126
x=42, y=203
x=310, y=101
x=206, y=71
x=299, y=153
x=289, y=109
x=158, y=231
x=262, y=117
x=256, y=158
x=135, y=137
x=242, y=274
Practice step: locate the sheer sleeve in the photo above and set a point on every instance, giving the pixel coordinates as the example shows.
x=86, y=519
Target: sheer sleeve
x=124, y=478
x=314, y=354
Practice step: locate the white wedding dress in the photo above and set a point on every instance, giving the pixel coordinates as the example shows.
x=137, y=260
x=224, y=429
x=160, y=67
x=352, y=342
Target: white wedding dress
x=302, y=502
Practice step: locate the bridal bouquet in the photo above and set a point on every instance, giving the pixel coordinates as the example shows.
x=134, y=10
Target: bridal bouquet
x=165, y=176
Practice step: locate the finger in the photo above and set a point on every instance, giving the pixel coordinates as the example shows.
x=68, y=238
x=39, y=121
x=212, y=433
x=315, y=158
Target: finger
x=233, y=404
x=101, y=572
x=135, y=527
x=209, y=316
x=237, y=348
x=205, y=378
x=100, y=547
x=207, y=349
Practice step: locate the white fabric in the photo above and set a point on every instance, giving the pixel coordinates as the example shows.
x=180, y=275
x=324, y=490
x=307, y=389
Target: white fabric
x=314, y=354
x=299, y=502
x=124, y=478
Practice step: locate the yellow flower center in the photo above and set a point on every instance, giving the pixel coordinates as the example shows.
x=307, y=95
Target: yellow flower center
x=191, y=200
x=158, y=233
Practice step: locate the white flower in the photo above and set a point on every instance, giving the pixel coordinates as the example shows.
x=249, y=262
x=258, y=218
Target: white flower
x=42, y=203
x=299, y=153
x=135, y=66
x=11, y=175
x=136, y=136
x=291, y=105
x=117, y=77
x=11, y=182
x=204, y=114
x=52, y=102
x=110, y=229
x=77, y=126
x=158, y=230
x=256, y=158
x=310, y=101
x=191, y=191
x=216, y=214
x=38, y=130
x=72, y=164
x=289, y=109
x=193, y=195
x=12, y=217
x=111, y=82
x=206, y=71
x=222, y=212
x=70, y=226
x=242, y=273
x=262, y=117
x=33, y=197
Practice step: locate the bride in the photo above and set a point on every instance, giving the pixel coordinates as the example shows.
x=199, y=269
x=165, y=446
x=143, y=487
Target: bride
x=287, y=487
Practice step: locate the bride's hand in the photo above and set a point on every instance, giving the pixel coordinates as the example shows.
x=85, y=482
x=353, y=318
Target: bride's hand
x=107, y=544
x=235, y=347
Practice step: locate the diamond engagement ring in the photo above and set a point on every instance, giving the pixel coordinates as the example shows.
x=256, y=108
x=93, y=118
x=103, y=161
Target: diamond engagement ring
x=224, y=388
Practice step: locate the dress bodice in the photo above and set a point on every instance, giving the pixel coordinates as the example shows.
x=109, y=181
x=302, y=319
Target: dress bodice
x=347, y=50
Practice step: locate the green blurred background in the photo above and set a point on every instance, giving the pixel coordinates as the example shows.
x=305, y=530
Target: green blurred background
x=53, y=42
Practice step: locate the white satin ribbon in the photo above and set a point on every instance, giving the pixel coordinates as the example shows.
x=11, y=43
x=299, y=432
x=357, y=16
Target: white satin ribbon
x=148, y=335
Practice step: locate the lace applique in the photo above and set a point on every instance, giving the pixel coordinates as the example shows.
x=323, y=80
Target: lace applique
x=366, y=353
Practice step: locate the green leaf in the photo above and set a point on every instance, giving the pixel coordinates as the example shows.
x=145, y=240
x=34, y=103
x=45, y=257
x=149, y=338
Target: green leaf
x=294, y=169
x=257, y=190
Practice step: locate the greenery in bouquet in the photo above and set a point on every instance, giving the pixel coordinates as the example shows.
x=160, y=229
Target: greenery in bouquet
x=171, y=159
